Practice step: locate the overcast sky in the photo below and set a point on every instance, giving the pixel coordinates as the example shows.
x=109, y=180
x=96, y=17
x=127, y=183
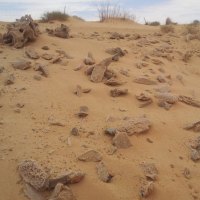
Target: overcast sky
x=181, y=11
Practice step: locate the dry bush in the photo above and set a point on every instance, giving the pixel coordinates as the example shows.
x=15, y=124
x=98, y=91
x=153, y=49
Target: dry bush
x=108, y=11
x=168, y=21
x=155, y=23
x=54, y=15
x=167, y=29
x=78, y=18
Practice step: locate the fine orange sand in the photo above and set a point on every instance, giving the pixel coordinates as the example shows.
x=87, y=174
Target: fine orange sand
x=28, y=135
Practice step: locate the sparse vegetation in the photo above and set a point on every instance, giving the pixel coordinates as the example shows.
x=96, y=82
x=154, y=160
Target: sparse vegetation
x=192, y=28
x=54, y=15
x=196, y=21
x=167, y=29
x=78, y=18
x=109, y=11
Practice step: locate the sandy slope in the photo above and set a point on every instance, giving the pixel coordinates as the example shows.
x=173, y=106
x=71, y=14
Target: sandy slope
x=28, y=134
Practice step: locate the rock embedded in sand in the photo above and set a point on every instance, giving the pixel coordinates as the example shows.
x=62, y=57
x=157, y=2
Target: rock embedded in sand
x=111, y=131
x=62, y=31
x=32, y=193
x=62, y=192
x=146, y=189
x=117, y=50
x=186, y=173
x=103, y=173
x=47, y=56
x=21, y=64
x=189, y=101
x=37, y=77
x=83, y=111
x=195, y=126
x=99, y=70
x=195, y=155
x=78, y=91
x=90, y=156
x=116, y=36
x=118, y=92
x=135, y=126
x=89, y=60
x=42, y=69
x=150, y=171
x=9, y=80
x=113, y=82
x=144, y=99
x=121, y=140
x=145, y=81
x=74, y=131
x=33, y=174
x=31, y=53
x=45, y=48
x=67, y=178
x=1, y=69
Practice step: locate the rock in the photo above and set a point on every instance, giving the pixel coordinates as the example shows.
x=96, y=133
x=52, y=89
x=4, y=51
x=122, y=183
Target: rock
x=90, y=156
x=103, y=173
x=121, y=140
x=62, y=31
x=42, y=69
x=89, y=60
x=117, y=50
x=116, y=36
x=47, y=56
x=144, y=99
x=186, y=173
x=193, y=126
x=31, y=53
x=99, y=70
x=141, y=65
x=150, y=171
x=45, y=48
x=33, y=174
x=32, y=194
x=113, y=82
x=1, y=69
x=83, y=111
x=67, y=178
x=20, y=32
x=146, y=189
x=110, y=74
x=78, y=90
x=187, y=56
x=88, y=70
x=111, y=131
x=62, y=192
x=55, y=122
x=163, y=89
x=37, y=77
x=9, y=80
x=189, y=101
x=118, y=92
x=157, y=62
x=86, y=90
x=195, y=155
x=145, y=81
x=135, y=126
x=21, y=64
x=161, y=79
x=75, y=131
x=79, y=67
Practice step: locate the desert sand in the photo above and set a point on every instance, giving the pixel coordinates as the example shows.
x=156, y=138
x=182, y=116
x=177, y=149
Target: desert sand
x=37, y=113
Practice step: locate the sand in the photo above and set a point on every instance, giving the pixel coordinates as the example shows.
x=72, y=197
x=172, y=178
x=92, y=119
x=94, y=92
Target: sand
x=26, y=131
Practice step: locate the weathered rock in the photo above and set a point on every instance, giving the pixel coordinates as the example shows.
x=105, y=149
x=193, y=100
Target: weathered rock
x=37, y=77
x=32, y=193
x=88, y=70
x=145, y=81
x=157, y=62
x=113, y=82
x=193, y=126
x=45, y=48
x=67, y=178
x=31, y=53
x=79, y=67
x=89, y=60
x=195, y=155
x=111, y=131
x=78, y=91
x=135, y=126
x=110, y=74
x=75, y=131
x=99, y=70
x=9, y=80
x=150, y=171
x=121, y=140
x=143, y=97
x=83, y=111
x=103, y=173
x=90, y=156
x=141, y=65
x=42, y=69
x=47, y=56
x=20, y=32
x=161, y=79
x=62, y=31
x=33, y=174
x=196, y=143
x=55, y=122
x=62, y=192
x=146, y=189
x=117, y=50
x=118, y=92
x=21, y=64
x=186, y=173
x=116, y=36
x=189, y=101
